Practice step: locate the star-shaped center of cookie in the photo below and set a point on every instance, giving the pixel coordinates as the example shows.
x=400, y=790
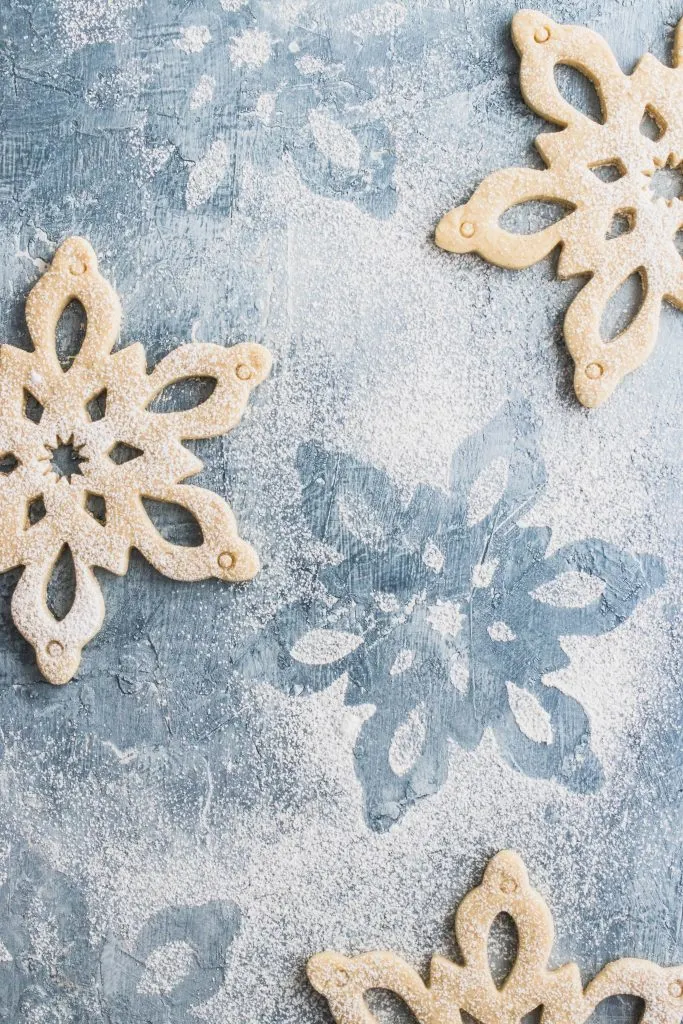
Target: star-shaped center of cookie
x=65, y=459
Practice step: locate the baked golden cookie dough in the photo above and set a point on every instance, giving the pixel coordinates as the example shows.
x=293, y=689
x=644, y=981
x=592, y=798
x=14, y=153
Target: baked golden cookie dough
x=451, y=988
x=602, y=173
x=97, y=510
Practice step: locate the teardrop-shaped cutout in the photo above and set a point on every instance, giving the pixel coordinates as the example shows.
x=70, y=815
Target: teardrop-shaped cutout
x=407, y=743
x=533, y=1017
x=534, y=215
x=33, y=409
x=502, y=943
x=183, y=394
x=610, y=171
x=165, y=969
x=530, y=715
x=623, y=221
x=97, y=507
x=580, y=91
x=652, y=125
x=571, y=589
x=61, y=587
x=388, y=1008
x=626, y=1009
x=66, y=460
x=96, y=408
x=122, y=452
x=8, y=463
x=35, y=511
x=70, y=333
x=678, y=241
x=324, y=646
x=623, y=306
x=487, y=490
x=174, y=522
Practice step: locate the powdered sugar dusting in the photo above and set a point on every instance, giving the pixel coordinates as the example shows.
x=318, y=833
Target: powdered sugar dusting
x=202, y=92
x=530, y=715
x=192, y=38
x=250, y=49
x=160, y=777
x=338, y=143
x=206, y=175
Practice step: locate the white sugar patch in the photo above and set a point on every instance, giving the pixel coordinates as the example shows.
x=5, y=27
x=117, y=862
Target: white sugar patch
x=501, y=632
x=404, y=659
x=459, y=672
x=446, y=618
x=531, y=717
x=377, y=20
x=87, y=22
x=483, y=573
x=570, y=590
x=251, y=49
x=202, y=92
x=387, y=602
x=360, y=516
x=338, y=143
x=433, y=556
x=166, y=967
x=324, y=646
x=407, y=743
x=152, y=158
x=192, y=38
x=206, y=175
x=310, y=65
x=265, y=107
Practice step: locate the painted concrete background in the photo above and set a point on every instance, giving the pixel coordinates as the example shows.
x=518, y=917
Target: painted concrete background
x=464, y=635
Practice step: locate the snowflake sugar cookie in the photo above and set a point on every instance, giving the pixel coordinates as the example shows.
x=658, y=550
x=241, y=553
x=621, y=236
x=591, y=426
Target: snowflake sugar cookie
x=75, y=476
x=602, y=173
x=470, y=987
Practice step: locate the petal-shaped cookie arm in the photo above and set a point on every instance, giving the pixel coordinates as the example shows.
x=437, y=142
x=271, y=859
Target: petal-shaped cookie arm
x=661, y=988
x=236, y=370
x=599, y=366
x=505, y=889
x=222, y=553
x=73, y=274
x=475, y=226
x=344, y=981
x=58, y=644
x=542, y=43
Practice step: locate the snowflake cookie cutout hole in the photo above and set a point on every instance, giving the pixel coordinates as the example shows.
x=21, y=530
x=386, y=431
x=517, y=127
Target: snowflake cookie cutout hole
x=619, y=183
x=81, y=450
x=530, y=984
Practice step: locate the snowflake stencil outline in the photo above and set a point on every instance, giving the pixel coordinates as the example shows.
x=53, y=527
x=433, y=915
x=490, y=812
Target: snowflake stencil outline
x=384, y=599
x=85, y=976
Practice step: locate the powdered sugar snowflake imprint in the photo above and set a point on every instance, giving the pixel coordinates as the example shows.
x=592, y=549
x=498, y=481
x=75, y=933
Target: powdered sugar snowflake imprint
x=49, y=952
x=446, y=615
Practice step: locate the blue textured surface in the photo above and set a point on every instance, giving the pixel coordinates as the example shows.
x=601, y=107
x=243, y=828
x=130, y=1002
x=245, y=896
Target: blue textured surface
x=199, y=793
